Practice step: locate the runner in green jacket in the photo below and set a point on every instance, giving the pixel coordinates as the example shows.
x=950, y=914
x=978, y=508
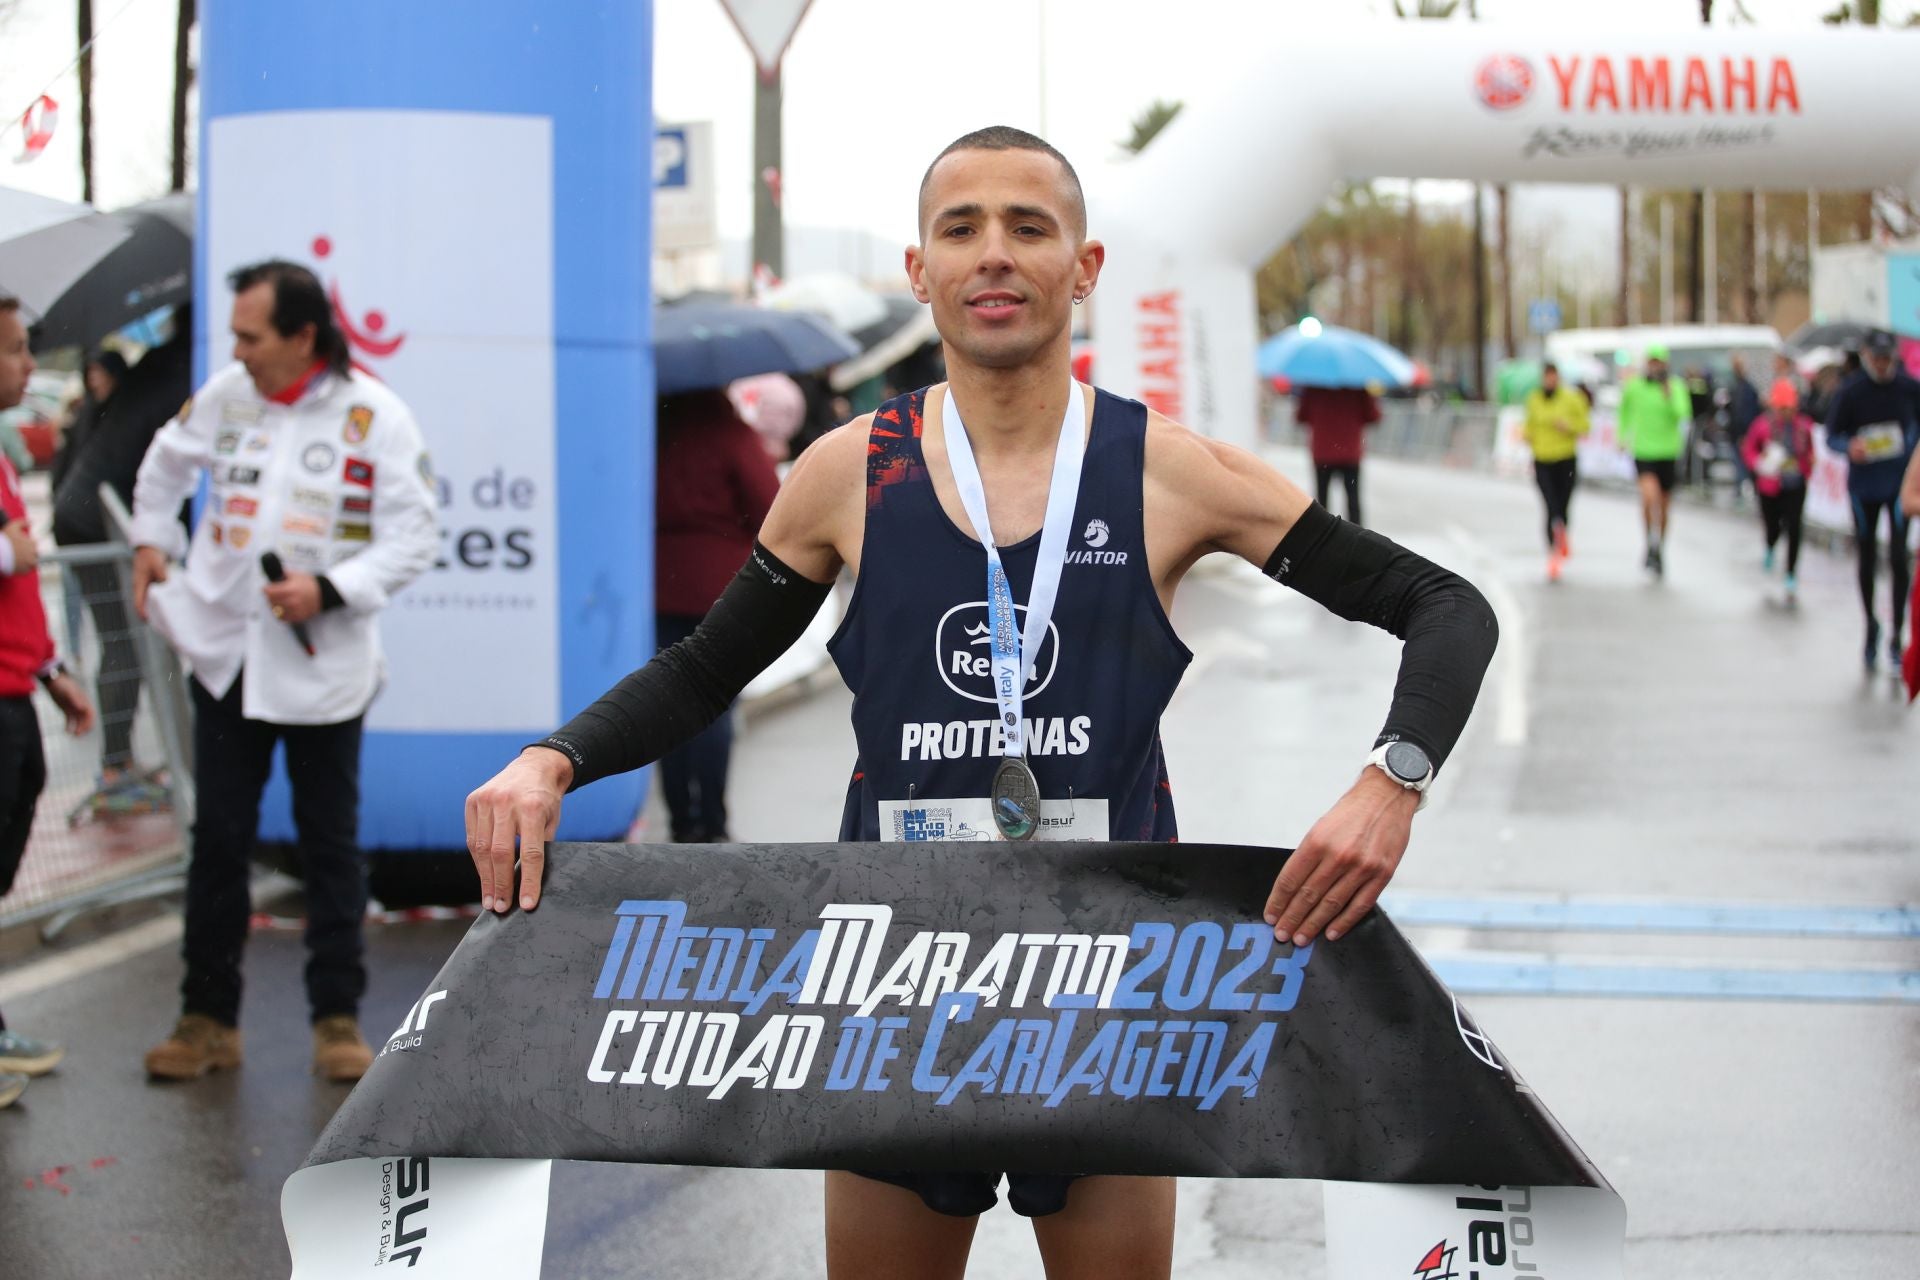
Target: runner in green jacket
x=1654, y=412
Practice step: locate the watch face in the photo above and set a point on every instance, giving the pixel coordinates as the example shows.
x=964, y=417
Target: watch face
x=1408, y=762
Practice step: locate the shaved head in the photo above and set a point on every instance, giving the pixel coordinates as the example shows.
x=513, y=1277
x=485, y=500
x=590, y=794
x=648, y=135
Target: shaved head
x=1002, y=137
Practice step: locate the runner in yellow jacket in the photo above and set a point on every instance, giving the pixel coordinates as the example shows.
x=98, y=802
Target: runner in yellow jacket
x=1556, y=419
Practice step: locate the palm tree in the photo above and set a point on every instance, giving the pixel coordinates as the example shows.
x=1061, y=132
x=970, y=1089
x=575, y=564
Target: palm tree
x=1148, y=124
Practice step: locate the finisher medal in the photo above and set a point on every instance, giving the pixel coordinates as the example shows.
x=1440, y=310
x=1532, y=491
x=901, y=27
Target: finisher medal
x=1016, y=799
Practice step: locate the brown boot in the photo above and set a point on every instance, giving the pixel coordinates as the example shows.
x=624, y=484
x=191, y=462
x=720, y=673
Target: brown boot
x=339, y=1051
x=198, y=1045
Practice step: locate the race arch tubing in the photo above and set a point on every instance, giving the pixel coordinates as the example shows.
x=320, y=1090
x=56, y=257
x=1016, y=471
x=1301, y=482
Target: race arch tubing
x=1105, y=1008
x=489, y=259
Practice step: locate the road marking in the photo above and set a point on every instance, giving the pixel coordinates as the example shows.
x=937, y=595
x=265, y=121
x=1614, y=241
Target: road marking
x=1653, y=917
x=1510, y=728
x=91, y=958
x=1493, y=974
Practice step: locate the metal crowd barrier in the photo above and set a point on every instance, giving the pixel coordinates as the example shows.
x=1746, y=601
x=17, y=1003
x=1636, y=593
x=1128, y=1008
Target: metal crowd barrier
x=113, y=820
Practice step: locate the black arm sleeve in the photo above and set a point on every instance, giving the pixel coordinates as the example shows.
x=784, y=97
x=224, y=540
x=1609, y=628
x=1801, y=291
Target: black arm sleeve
x=1447, y=625
x=757, y=618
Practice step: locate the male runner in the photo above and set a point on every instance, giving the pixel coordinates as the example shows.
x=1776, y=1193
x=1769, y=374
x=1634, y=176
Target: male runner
x=1875, y=422
x=1004, y=256
x=1654, y=412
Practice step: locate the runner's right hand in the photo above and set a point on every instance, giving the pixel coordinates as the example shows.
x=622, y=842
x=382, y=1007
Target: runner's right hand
x=149, y=567
x=520, y=804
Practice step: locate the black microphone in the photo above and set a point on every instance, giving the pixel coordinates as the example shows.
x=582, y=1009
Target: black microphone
x=277, y=572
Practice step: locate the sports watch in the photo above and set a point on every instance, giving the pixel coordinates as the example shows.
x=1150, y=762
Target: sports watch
x=1407, y=765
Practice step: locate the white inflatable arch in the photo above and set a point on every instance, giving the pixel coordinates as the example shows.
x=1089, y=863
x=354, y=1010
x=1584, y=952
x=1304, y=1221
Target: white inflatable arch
x=1234, y=176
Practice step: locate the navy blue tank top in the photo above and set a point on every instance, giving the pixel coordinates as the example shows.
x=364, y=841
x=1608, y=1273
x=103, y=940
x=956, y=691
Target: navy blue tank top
x=914, y=648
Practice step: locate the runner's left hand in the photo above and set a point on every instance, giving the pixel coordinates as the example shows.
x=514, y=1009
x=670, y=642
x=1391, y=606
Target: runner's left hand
x=1345, y=862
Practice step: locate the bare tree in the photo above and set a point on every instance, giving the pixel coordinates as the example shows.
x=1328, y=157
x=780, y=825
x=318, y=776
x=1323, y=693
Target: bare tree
x=84, y=12
x=182, y=86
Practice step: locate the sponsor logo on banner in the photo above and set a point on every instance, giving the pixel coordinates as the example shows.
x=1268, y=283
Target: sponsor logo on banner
x=963, y=650
x=1437, y=1265
x=242, y=506
x=411, y=1032
x=243, y=475
x=403, y=1208
x=226, y=443
x=358, y=471
x=1475, y=1040
x=1659, y=84
x=238, y=536
x=359, y=422
x=365, y=336
x=1503, y=81
x=317, y=458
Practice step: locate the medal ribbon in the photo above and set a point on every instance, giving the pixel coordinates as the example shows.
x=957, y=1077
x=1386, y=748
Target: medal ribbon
x=1016, y=649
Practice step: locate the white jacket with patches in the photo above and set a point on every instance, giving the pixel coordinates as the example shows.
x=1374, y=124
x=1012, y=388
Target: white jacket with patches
x=338, y=484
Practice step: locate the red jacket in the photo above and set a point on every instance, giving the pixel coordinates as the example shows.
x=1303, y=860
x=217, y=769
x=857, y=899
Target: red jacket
x=1761, y=434
x=1335, y=419
x=715, y=485
x=25, y=643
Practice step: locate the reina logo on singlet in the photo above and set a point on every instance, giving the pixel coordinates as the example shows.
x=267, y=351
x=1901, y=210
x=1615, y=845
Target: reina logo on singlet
x=963, y=650
x=1096, y=536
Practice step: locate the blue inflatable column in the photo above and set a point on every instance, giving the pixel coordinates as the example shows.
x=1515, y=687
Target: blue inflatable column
x=472, y=183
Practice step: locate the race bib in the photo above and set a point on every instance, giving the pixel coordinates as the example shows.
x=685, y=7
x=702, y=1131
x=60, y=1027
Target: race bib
x=1882, y=440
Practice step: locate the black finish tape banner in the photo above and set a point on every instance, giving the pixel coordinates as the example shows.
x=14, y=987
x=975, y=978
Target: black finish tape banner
x=1084, y=1008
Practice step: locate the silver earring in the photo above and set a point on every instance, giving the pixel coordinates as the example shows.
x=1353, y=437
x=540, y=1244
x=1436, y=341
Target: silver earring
x=1079, y=298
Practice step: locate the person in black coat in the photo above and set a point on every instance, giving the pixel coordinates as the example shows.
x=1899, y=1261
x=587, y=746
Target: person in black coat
x=109, y=438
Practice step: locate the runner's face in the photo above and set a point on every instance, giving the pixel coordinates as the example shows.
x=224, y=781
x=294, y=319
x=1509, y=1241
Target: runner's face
x=16, y=362
x=1003, y=256
x=273, y=360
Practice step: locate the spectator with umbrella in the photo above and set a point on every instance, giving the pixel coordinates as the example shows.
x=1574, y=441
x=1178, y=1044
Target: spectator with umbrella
x=1335, y=371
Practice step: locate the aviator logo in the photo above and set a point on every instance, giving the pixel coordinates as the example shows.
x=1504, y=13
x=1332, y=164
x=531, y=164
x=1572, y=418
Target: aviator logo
x=1503, y=81
x=963, y=651
x=365, y=338
x=1097, y=533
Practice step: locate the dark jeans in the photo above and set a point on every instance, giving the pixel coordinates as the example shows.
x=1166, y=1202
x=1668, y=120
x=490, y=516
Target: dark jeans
x=23, y=773
x=119, y=683
x=1780, y=513
x=1556, y=481
x=1349, y=473
x=232, y=757
x=694, y=775
x=1866, y=530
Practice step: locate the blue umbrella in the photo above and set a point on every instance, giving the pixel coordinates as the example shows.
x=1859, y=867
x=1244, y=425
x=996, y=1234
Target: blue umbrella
x=709, y=344
x=1311, y=354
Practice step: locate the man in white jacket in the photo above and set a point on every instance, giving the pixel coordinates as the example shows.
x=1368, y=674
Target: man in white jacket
x=323, y=467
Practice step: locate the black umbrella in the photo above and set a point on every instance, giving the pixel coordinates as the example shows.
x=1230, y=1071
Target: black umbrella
x=1839, y=334
x=152, y=268
x=709, y=344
